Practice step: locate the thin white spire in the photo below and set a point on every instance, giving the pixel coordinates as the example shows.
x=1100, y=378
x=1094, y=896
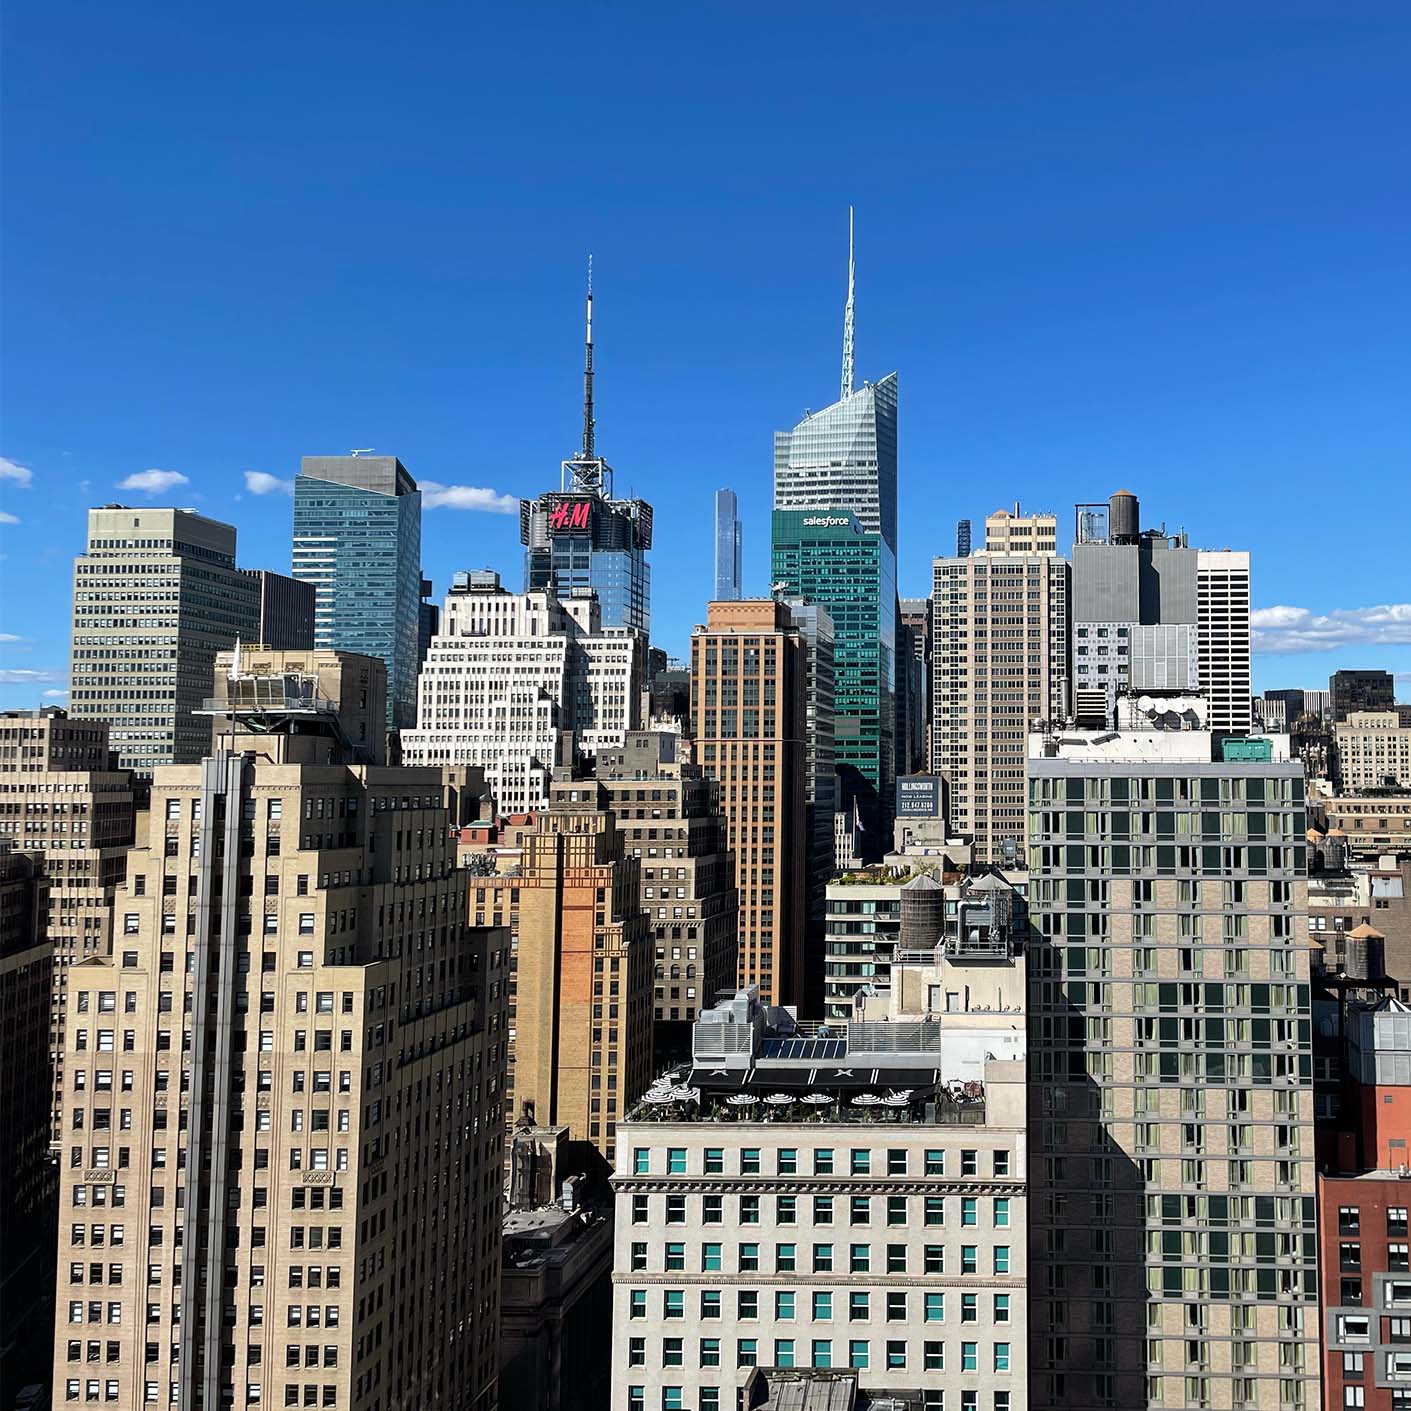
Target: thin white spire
x=848, y=320
x=588, y=421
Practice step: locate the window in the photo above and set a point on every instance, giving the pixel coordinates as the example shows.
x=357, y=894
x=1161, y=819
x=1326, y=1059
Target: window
x=747, y=1352
x=969, y=1211
x=1001, y=1308
x=749, y=1258
x=785, y=1258
x=857, y=1353
x=747, y=1304
x=788, y=1161
x=896, y=1353
x=859, y=1307
x=1001, y=1259
x=675, y=1255
x=714, y=1161
x=897, y=1212
x=969, y=1357
x=860, y=1259
x=783, y=1352
x=935, y=1163
x=676, y=1161
x=934, y=1356
x=822, y=1305
x=823, y=1259
x=896, y=1306
x=749, y=1162
x=637, y=1303
x=710, y=1258
x=823, y=1161
x=641, y=1161
x=935, y=1210
x=749, y=1210
x=969, y=1259
x=710, y=1304
x=1001, y=1357
x=636, y=1352
x=935, y=1308
x=784, y=1305
x=1349, y=1220
x=861, y=1162
x=1001, y=1212
x=822, y=1352
x=970, y=1308
x=673, y=1303
x=671, y=1352
x=710, y=1352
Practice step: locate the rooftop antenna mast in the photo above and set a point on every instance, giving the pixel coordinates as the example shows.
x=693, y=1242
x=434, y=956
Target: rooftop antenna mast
x=588, y=423
x=848, y=320
x=587, y=473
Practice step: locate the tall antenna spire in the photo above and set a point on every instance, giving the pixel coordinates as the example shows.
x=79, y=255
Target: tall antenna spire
x=848, y=321
x=588, y=423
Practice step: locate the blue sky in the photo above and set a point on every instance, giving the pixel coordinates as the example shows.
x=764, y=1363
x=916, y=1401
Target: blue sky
x=1160, y=246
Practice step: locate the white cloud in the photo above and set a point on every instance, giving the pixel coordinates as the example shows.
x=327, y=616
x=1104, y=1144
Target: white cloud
x=55, y=695
x=1293, y=629
x=9, y=638
x=261, y=482
x=6, y=518
x=153, y=482
x=20, y=676
x=13, y=470
x=466, y=497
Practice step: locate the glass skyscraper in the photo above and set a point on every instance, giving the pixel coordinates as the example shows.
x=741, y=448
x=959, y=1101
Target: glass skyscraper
x=576, y=540
x=357, y=539
x=831, y=559
x=844, y=458
x=727, y=546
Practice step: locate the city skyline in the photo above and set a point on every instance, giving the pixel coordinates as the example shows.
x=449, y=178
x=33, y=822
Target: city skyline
x=1183, y=344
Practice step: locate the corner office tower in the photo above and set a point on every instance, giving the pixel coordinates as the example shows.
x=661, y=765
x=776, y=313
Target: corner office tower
x=579, y=537
x=844, y=459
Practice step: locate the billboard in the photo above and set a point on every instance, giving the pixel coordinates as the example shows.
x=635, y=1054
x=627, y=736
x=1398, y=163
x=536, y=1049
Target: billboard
x=919, y=796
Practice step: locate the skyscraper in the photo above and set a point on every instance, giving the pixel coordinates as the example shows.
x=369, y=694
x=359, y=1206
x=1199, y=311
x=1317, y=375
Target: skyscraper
x=1135, y=619
x=580, y=537
x=60, y=795
x=748, y=680
x=286, y=620
x=357, y=539
x=1361, y=690
x=1223, y=636
x=517, y=682
x=834, y=539
x=829, y=559
x=1000, y=659
x=156, y=595
x=845, y=457
x=583, y=971
x=727, y=547
x=1172, y=1223
x=297, y=1011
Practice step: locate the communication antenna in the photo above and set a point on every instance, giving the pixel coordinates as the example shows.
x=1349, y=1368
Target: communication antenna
x=848, y=321
x=362, y=451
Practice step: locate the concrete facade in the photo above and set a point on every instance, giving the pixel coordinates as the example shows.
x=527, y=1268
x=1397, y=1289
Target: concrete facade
x=156, y=595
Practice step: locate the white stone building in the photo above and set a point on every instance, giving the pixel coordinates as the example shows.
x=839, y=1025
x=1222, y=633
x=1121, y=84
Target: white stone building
x=514, y=682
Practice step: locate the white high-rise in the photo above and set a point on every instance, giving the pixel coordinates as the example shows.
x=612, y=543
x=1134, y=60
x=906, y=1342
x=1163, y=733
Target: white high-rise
x=514, y=681
x=1223, y=637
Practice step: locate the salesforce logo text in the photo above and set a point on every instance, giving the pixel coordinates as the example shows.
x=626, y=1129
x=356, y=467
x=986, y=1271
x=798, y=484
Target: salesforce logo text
x=825, y=521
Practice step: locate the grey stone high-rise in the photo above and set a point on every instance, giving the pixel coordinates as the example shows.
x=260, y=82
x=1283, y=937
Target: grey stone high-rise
x=156, y=595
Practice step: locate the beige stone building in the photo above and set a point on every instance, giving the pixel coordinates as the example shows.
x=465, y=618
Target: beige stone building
x=1173, y=1256
x=1374, y=750
x=670, y=820
x=61, y=794
x=816, y=1207
x=1011, y=532
x=581, y=984
x=748, y=686
x=296, y=1011
x=999, y=663
x=156, y=595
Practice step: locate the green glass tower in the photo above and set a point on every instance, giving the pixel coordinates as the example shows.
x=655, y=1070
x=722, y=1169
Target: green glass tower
x=827, y=557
